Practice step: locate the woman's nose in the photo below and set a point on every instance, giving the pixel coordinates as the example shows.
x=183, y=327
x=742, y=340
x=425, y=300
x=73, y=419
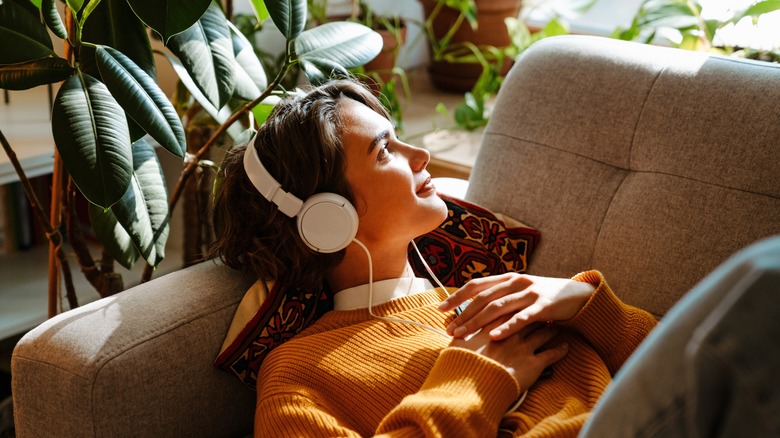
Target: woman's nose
x=418, y=158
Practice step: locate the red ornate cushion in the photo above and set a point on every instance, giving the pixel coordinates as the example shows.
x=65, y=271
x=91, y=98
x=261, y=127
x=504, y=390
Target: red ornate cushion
x=472, y=242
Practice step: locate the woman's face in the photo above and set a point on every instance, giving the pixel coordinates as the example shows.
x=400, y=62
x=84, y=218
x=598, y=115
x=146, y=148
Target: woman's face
x=395, y=199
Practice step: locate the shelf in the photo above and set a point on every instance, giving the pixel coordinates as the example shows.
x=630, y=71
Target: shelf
x=24, y=297
x=26, y=124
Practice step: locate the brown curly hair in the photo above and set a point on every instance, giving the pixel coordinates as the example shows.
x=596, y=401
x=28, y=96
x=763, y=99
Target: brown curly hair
x=300, y=145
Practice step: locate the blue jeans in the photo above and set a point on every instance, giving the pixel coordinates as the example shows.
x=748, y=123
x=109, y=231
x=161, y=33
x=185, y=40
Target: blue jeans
x=712, y=365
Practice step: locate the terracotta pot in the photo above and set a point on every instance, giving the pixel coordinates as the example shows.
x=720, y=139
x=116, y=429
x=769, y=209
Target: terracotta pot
x=384, y=63
x=491, y=30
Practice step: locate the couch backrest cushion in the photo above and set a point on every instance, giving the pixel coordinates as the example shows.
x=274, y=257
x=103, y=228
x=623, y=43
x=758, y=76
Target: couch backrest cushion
x=650, y=164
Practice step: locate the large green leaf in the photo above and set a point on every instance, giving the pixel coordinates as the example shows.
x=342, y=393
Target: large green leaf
x=143, y=210
x=250, y=75
x=674, y=14
x=75, y=6
x=262, y=110
x=113, y=236
x=220, y=116
x=336, y=46
x=169, y=17
x=142, y=99
x=261, y=11
x=24, y=38
x=114, y=24
x=90, y=132
x=758, y=9
x=288, y=15
x=52, y=18
x=206, y=51
x=31, y=74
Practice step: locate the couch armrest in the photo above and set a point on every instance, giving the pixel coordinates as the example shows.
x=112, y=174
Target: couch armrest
x=138, y=363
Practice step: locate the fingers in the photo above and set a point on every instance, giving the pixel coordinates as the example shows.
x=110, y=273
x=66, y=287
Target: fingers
x=469, y=290
x=506, y=297
x=538, y=339
x=552, y=355
x=516, y=323
x=483, y=314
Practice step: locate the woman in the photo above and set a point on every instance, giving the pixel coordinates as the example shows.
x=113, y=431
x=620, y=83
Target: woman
x=392, y=358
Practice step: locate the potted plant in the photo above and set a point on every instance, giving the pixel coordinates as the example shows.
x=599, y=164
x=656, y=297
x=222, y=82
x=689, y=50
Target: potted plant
x=393, y=32
x=382, y=74
x=681, y=24
x=460, y=32
x=109, y=100
x=492, y=62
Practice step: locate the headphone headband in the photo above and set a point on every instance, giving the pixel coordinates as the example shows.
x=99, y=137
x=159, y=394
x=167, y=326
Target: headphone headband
x=266, y=184
x=327, y=222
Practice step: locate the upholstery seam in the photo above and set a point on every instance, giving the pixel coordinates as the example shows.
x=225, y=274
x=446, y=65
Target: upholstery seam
x=176, y=325
x=654, y=172
x=501, y=134
x=108, y=357
x=629, y=165
x=22, y=356
x=641, y=113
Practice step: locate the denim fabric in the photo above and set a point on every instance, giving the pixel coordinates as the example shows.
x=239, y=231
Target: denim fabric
x=710, y=368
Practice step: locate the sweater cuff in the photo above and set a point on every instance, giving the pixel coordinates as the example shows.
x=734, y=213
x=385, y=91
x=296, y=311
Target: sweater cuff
x=468, y=375
x=600, y=310
x=613, y=327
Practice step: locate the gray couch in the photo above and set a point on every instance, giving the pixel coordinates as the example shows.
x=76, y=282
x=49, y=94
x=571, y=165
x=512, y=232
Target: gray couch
x=650, y=164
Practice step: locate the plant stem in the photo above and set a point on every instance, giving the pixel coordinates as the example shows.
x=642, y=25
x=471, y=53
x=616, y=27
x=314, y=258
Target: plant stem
x=704, y=37
x=229, y=10
x=192, y=163
x=52, y=234
x=96, y=277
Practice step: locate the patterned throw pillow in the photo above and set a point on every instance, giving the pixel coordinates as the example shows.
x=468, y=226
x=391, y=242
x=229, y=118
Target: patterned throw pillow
x=472, y=242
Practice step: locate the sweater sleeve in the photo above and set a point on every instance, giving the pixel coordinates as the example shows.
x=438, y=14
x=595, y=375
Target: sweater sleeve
x=451, y=402
x=614, y=328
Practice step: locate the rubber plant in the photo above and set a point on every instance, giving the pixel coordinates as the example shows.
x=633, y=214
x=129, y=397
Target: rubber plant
x=109, y=109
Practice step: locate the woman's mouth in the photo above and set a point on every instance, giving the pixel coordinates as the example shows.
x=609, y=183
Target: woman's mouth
x=426, y=187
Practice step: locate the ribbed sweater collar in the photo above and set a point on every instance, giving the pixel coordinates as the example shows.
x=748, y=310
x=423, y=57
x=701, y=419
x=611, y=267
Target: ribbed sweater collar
x=427, y=298
x=383, y=291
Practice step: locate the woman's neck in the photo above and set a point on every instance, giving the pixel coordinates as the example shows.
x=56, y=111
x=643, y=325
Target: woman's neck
x=354, y=268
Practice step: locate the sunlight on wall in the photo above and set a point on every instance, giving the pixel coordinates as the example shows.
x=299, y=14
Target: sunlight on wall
x=764, y=35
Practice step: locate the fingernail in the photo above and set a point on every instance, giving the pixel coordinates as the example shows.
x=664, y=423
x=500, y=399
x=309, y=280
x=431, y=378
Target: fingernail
x=443, y=305
x=460, y=331
x=495, y=333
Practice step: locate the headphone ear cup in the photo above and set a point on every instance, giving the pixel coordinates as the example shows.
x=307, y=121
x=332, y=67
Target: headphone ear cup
x=327, y=222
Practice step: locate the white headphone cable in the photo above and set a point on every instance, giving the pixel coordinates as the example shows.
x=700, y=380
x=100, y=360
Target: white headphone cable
x=371, y=297
x=428, y=268
x=517, y=403
x=430, y=272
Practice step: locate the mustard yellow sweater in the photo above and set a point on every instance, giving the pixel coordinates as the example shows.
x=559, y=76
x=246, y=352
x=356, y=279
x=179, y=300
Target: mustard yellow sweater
x=352, y=375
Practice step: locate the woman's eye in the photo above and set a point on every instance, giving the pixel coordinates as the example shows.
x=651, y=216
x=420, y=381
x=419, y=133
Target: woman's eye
x=384, y=153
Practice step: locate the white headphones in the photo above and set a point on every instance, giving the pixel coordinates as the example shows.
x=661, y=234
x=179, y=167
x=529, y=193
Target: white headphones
x=327, y=222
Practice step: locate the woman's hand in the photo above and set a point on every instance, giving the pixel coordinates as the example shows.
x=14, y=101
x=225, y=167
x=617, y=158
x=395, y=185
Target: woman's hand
x=522, y=355
x=521, y=299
